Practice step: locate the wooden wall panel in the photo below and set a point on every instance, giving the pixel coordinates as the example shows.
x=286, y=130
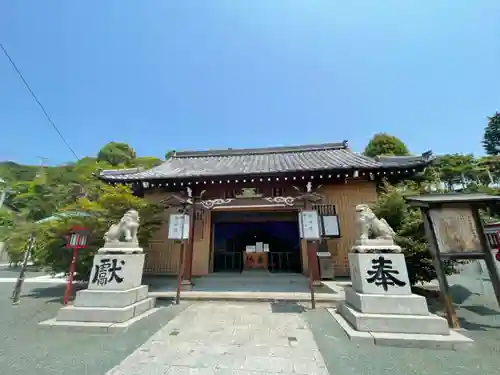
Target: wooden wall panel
x=345, y=197
x=162, y=254
x=201, y=250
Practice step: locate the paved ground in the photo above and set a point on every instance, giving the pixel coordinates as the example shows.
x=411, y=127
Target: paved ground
x=229, y=338
x=248, y=281
x=344, y=357
x=7, y=272
x=233, y=338
x=26, y=348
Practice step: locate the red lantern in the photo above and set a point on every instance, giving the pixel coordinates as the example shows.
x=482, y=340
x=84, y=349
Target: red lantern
x=497, y=256
x=77, y=239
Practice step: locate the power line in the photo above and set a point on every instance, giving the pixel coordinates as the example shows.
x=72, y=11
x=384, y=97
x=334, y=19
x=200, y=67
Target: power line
x=38, y=101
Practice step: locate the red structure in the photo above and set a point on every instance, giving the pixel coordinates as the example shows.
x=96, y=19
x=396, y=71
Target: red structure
x=77, y=239
x=492, y=232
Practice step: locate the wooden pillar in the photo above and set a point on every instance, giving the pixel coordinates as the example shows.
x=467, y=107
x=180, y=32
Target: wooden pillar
x=312, y=248
x=188, y=265
x=451, y=314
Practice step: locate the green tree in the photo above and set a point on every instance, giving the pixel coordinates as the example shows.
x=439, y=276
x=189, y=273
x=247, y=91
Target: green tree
x=147, y=162
x=385, y=144
x=102, y=211
x=410, y=233
x=117, y=153
x=491, y=138
x=459, y=170
x=16, y=239
x=13, y=172
x=7, y=222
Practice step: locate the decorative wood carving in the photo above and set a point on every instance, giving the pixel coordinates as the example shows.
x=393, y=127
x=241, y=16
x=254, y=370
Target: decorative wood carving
x=208, y=204
x=289, y=201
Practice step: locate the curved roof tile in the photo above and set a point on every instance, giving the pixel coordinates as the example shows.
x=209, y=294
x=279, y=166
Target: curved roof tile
x=330, y=156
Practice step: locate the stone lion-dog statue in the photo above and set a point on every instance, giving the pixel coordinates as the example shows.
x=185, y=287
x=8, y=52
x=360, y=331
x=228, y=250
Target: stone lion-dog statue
x=126, y=229
x=372, y=227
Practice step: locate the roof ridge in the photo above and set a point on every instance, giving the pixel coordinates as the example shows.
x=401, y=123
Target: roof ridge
x=261, y=150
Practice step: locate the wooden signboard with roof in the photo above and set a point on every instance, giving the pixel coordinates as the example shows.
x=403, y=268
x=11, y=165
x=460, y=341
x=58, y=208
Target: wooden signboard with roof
x=454, y=231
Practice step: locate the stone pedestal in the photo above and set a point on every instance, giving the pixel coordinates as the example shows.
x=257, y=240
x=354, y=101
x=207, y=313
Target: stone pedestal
x=115, y=297
x=380, y=306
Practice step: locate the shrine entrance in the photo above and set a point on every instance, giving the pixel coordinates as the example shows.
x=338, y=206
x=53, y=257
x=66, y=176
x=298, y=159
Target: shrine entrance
x=266, y=240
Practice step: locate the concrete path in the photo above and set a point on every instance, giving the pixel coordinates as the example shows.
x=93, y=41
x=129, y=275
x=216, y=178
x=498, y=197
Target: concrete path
x=229, y=338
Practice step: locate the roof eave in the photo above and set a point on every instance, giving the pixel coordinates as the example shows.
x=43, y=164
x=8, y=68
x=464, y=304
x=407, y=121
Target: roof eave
x=131, y=179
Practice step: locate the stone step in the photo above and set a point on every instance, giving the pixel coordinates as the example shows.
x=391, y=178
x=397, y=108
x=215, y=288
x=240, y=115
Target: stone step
x=382, y=303
x=393, y=323
x=332, y=299
x=453, y=341
x=104, y=314
x=110, y=298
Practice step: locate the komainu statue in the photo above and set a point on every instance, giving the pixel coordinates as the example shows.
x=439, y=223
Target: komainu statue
x=372, y=227
x=124, y=231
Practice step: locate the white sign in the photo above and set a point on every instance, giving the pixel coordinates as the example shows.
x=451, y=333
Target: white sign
x=331, y=226
x=178, y=227
x=309, y=225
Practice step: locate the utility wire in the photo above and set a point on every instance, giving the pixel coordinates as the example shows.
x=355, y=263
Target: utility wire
x=38, y=101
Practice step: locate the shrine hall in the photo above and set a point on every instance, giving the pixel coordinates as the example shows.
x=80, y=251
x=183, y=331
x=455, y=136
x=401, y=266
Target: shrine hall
x=244, y=204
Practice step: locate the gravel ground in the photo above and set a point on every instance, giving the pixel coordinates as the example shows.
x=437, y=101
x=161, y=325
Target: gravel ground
x=343, y=357
x=27, y=348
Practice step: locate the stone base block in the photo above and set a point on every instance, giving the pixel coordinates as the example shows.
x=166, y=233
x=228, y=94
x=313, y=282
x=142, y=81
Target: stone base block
x=384, y=303
x=116, y=271
x=376, y=249
x=120, y=247
x=104, y=314
x=452, y=341
x=379, y=273
x=110, y=298
x=95, y=327
x=375, y=242
x=428, y=324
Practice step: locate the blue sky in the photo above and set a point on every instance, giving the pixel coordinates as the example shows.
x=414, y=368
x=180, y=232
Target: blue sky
x=163, y=75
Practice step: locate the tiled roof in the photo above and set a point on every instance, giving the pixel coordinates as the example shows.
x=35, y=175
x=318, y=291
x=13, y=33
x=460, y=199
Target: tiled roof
x=274, y=160
x=402, y=161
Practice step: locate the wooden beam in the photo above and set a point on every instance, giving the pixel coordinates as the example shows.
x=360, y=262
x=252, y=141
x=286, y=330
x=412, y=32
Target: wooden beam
x=188, y=268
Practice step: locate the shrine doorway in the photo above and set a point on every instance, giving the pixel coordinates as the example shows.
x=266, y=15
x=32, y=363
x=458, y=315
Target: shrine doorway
x=276, y=231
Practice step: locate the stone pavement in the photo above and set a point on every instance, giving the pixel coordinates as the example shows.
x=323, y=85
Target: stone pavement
x=230, y=338
x=287, y=337
x=27, y=348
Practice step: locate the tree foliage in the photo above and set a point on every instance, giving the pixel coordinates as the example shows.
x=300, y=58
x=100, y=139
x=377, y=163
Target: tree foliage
x=491, y=138
x=107, y=208
x=385, y=144
x=147, y=162
x=410, y=233
x=71, y=187
x=117, y=153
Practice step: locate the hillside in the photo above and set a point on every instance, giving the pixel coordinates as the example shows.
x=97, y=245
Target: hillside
x=13, y=172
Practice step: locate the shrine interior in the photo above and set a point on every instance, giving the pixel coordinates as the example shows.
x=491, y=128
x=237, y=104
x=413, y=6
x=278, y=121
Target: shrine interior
x=278, y=231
